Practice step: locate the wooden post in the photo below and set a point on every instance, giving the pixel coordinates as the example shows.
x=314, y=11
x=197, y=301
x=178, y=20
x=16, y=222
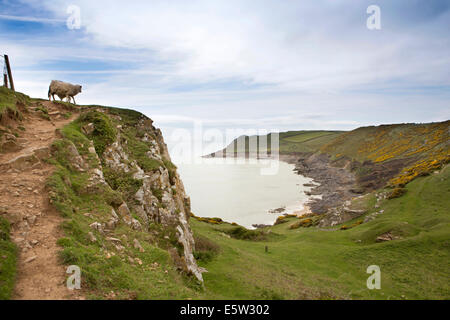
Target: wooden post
x=5, y=80
x=8, y=68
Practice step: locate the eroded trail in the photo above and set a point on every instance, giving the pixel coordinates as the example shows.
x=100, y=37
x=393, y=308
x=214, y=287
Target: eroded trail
x=24, y=201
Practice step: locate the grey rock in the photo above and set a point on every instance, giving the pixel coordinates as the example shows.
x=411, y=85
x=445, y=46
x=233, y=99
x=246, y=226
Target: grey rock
x=92, y=238
x=76, y=160
x=137, y=245
x=135, y=224
x=97, y=226
x=23, y=162
x=111, y=224
x=42, y=153
x=88, y=129
x=385, y=237
x=31, y=220
x=10, y=146
x=114, y=214
x=30, y=259
x=123, y=210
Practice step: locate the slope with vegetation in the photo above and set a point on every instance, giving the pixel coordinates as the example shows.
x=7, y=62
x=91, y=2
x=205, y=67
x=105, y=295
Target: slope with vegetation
x=348, y=164
x=10, y=105
x=106, y=197
x=99, y=192
x=124, y=206
x=289, y=143
x=27, y=128
x=412, y=149
x=409, y=240
x=385, y=201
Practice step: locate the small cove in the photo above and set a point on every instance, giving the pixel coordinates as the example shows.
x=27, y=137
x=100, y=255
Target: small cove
x=238, y=192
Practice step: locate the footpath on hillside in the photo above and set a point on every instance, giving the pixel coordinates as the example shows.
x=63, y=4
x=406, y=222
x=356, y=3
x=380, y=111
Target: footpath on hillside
x=24, y=201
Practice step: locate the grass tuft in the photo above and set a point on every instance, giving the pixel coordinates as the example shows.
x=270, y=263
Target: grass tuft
x=8, y=259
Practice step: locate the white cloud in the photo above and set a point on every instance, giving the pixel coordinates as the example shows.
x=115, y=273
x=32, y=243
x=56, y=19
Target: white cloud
x=296, y=65
x=203, y=41
x=31, y=19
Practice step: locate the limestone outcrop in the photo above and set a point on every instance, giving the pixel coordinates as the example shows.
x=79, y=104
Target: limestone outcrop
x=160, y=198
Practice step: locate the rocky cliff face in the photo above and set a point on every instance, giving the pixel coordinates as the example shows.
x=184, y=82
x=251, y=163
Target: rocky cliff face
x=161, y=199
x=120, y=157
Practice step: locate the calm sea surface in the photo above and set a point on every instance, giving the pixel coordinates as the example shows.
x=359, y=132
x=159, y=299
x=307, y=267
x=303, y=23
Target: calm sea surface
x=238, y=192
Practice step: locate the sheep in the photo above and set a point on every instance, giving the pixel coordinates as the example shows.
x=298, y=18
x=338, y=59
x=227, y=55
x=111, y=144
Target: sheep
x=63, y=90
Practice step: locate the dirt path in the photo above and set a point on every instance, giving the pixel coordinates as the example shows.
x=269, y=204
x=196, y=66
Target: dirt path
x=35, y=225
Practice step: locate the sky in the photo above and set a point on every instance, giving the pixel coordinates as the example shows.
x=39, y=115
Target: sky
x=223, y=65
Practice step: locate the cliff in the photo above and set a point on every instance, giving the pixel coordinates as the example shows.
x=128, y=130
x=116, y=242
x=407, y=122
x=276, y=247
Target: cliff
x=118, y=158
x=93, y=187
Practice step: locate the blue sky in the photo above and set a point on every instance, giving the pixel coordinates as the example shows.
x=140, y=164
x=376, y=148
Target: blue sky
x=240, y=64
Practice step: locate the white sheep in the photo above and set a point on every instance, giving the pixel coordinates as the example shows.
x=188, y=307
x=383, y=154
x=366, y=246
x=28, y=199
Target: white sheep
x=63, y=90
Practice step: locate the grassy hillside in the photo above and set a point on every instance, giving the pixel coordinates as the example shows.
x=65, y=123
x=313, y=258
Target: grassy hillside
x=385, y=142
x=331, y=264
x=305, y=141
x=423, y=148
x=301, y=262
x=391, y=155
x=290, y=142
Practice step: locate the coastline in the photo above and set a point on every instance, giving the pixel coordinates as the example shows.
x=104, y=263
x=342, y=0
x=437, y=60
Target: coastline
x=331, y=185
x=305, y=211
x=334, y=185
x=279, y=192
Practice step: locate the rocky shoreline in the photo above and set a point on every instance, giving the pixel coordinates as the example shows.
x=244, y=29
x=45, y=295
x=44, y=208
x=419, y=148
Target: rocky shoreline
x=335, y=184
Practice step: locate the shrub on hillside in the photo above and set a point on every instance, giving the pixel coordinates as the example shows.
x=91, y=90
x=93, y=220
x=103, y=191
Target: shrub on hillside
x=245, y=234
x=304, y=223
x=205, y=249
x=104, y=133
x=209, y=220
x=396, y=193
x=283, y=219
x=345, y=227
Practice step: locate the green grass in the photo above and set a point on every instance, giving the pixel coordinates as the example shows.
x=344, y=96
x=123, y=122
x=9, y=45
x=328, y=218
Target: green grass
x=158, y=193
x=245, y=234
x=8, y=258
x=104, y=133
x=138, y=150
x=205, y=249
x=9, y=101
x=305, y=141
x=67, y=115
x=101, y=275
x=308, y=263
x=123, y=182
x=43, y=112
x=128, y=117
x=303, y=136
